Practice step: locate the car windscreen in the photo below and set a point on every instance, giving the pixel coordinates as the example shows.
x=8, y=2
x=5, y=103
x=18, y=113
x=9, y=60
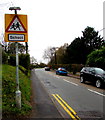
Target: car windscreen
x=62, y=69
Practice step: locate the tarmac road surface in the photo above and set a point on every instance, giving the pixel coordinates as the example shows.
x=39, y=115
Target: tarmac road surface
x=43, y=107
x=72, y=99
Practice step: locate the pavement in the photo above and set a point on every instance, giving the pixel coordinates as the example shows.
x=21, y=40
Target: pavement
x=42, y=105
x=74, y=76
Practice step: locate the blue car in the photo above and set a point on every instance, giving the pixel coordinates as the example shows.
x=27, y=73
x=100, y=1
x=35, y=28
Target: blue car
x=61, y=71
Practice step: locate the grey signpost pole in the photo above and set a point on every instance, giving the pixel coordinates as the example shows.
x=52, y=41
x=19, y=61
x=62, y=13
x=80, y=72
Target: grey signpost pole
x=18, y=92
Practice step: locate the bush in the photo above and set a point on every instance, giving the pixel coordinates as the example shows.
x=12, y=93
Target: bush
x=12, y=60
x=97, y=58
x=23, y=69
x=76, y=68
x=24, y=60
x=70, y=67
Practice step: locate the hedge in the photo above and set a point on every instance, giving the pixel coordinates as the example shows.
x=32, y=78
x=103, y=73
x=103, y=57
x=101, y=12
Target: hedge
x=70, y=67
x=24, y=60
x=4, y=57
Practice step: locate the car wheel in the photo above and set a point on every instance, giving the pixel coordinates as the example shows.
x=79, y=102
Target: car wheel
x=66, y=74
x=82, y=79
x=98, y=83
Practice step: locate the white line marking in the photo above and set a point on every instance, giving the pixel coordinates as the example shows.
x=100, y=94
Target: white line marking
x=57, y=77
x=70, y=82
x=96, y=92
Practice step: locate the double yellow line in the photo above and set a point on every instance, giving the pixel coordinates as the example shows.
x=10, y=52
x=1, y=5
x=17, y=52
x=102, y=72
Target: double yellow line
x=66, y=107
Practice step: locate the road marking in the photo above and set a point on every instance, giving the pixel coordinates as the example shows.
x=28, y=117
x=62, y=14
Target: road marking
x=96, y=92
x=70, y=82
x=66, y=104
x=57, y=77
x=66, y=107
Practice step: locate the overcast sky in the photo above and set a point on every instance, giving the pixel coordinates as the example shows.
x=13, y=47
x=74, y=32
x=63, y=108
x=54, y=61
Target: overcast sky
x=55, y=22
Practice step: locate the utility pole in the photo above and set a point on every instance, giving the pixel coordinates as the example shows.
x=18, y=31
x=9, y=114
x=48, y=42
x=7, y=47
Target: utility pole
x=18, y=92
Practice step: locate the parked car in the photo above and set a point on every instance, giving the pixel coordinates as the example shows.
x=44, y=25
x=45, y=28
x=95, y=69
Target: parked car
x=47, y=68
x=61, y=71
x=94, y=75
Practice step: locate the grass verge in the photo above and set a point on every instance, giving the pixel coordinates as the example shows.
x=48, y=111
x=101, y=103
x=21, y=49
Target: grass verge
x=9, y=89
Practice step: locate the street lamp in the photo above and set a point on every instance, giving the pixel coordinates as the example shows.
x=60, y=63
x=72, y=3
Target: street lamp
x=15, y=8
x=18, y=92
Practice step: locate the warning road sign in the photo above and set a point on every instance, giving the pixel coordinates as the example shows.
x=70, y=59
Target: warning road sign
x=16, y=27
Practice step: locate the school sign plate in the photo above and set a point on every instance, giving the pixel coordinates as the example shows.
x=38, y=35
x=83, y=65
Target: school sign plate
x=16, y=28
x=16, y=37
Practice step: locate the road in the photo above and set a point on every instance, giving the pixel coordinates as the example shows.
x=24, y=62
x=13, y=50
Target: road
x=72, y=98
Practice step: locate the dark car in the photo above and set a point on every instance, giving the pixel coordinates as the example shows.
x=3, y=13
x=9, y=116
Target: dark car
x=61, y=71
x=94, y=75
x=47, y=68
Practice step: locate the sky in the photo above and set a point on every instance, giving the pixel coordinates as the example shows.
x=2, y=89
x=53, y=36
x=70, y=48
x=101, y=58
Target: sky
x=51, y=23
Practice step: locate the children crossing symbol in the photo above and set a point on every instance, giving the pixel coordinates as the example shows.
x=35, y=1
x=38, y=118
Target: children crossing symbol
x=15, y=26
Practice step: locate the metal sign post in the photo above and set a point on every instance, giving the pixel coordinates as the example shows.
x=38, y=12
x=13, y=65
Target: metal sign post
x=16, y=30
x=18, y=92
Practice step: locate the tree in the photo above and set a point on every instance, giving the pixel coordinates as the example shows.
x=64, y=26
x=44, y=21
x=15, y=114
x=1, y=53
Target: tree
x=3, y=43
x=79, y=49
x=42, y=65
x=49, y=54
x=91, y=39
x=12, y=48
x=33, y=60
x=74, y=52
x=60, y=54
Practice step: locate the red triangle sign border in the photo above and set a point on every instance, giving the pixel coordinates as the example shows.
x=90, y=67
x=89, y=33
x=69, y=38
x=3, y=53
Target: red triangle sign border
x=16, y=16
